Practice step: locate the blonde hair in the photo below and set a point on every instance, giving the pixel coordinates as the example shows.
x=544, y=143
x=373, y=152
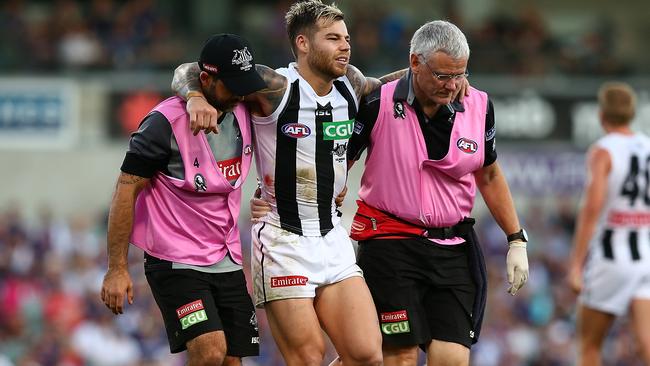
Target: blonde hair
x=617, y=102
x=304, y=15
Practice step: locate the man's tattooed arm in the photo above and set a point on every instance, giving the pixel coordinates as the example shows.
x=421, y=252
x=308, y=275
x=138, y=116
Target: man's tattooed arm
x=392, y=76
x=186, y=79
x=364, y=85
x=262, y=103
x=358, y=81
x=130, y=179
x=266, y=101
x=120, y=218
x=117, y=284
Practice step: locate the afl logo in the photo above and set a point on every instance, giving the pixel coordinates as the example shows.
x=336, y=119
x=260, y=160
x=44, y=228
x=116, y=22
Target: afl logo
x=296, y=130
x=467, y=146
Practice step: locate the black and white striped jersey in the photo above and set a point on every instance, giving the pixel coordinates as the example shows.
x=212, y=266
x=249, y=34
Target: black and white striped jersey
x=301, y=154
x=623, y=231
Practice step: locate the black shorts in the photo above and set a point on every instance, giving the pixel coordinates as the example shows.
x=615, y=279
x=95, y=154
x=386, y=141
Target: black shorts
x=422, y=290
x=193, y=303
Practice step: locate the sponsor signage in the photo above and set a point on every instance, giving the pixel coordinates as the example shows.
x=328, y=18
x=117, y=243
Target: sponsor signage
x=189, y=308
x=192, y=313
x=529, y=115
x=552, y=170
x=467, y=146
x=395, y=328
x=619, y=218
x=394, y=322
x=231, y=168
x=193, y=318
x=340, y=130
x=296, y=130
x=286, y=281
x=394, y=316
x=37, y=114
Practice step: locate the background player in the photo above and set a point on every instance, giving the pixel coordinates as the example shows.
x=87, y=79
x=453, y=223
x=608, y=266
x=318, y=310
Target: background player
x=614, y=228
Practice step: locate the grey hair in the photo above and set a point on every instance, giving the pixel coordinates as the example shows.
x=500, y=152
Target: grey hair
x=440, y=36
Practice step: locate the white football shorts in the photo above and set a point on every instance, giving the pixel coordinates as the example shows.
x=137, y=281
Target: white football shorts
x=609, y=285
x=285, y=265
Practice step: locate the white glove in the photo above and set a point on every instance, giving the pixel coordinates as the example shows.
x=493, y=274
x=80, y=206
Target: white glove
x=517, y=266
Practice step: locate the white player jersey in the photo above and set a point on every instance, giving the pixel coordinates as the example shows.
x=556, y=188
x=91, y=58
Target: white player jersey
x=301, y=154
x=623, y=232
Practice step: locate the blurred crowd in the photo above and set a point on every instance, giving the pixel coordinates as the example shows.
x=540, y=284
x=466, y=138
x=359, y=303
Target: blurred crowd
x=51, y=269
x=62, y=35
x=95, y=35
x=51, y=273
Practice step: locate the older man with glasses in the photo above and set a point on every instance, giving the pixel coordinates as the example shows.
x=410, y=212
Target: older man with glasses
x=417, y=247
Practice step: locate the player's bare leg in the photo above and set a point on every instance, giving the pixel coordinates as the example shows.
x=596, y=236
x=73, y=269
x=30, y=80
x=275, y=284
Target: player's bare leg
x=592, y=328
x=349, y=318
x=296, y=331
x=441, y=353
x=640, y=318
x=207, y=349
x=231, y=361
x=336, y=362
x=400, y=356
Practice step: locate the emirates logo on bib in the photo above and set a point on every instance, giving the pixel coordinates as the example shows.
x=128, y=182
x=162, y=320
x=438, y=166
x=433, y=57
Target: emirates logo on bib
x=231, y=168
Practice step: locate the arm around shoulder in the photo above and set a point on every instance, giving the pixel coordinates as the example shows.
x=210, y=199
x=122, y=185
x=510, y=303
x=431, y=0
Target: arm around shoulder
x=266, y=101
x=363, y=85
x=185, y=82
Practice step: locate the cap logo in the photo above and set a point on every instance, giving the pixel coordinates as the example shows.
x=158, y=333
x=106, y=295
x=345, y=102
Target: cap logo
x=242, y=58
x=211, y=68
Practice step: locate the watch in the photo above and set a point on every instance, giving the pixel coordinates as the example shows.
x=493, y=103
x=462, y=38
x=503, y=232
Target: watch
x=519, y=235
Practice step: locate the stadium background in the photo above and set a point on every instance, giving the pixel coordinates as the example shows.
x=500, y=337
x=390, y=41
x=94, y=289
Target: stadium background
x=76, y=77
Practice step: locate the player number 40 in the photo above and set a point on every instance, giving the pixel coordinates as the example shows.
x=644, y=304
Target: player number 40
x=633, y=186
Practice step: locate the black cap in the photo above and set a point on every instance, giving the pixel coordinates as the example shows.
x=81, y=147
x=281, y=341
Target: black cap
x=230, y=58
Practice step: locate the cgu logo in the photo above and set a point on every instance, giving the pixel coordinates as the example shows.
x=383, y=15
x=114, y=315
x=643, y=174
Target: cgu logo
x=395, y=328
x=193, y=318
x=296, y=130
x=467, y=146
x=339, y=130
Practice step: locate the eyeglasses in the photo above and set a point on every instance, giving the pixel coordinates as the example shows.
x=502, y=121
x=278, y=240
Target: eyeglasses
x=444, y=77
